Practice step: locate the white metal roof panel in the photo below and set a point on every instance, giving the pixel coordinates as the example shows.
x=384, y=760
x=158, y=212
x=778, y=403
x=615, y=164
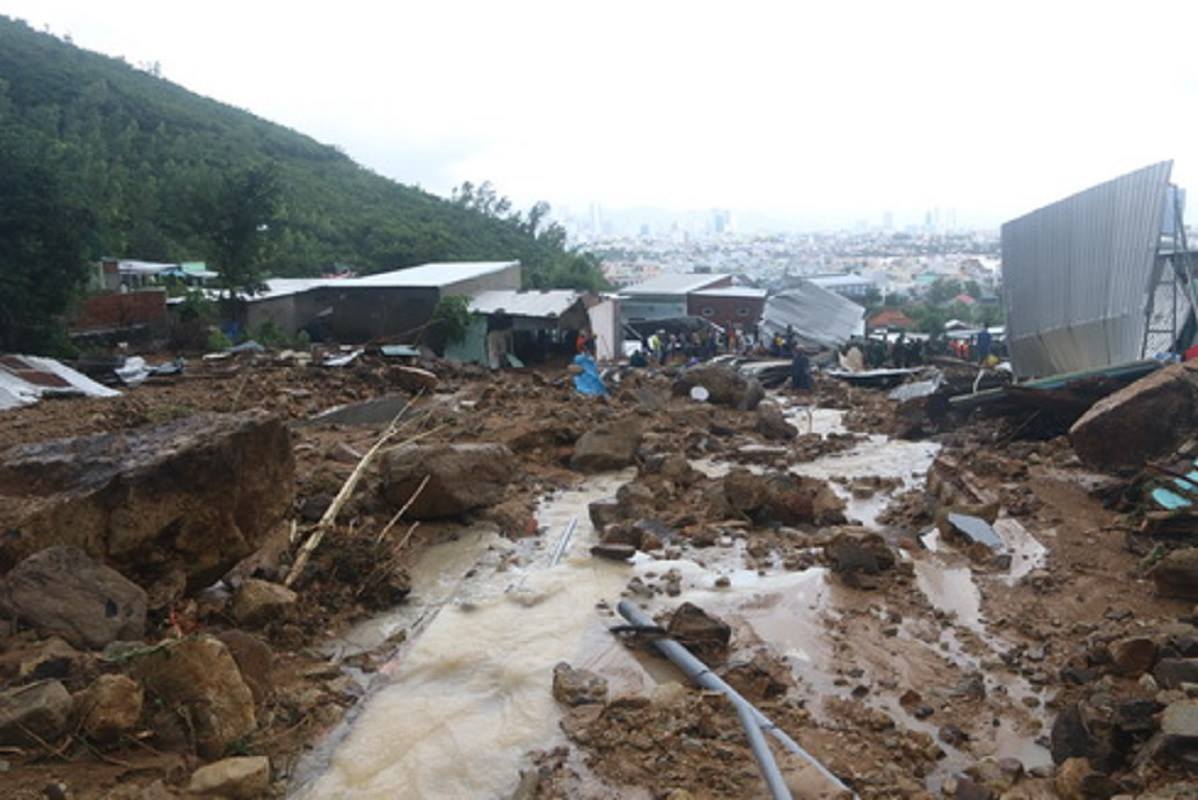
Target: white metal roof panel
x=26, y=379
x=732, y=291
x=815, y=314
x=679, y=283
x=551, y=303
x=429, y=275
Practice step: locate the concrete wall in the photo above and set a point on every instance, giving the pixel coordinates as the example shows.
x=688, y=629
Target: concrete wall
x=640, y=307
x=362, y=313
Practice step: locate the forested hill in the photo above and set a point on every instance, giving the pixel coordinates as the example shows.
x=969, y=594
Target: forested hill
x=136, y=151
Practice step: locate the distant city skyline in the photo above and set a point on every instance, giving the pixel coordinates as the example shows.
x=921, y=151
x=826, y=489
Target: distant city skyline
x=801, y=117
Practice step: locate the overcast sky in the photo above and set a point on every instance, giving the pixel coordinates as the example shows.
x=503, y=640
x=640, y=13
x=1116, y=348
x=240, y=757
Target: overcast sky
x=828, y=112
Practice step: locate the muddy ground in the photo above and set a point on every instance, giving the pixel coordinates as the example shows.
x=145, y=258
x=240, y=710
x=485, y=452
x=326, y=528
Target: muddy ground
x=418, y=660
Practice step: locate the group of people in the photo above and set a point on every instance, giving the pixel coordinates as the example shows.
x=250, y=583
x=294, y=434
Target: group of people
x=904, y=353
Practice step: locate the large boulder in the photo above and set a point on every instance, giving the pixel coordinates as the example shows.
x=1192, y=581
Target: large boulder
x=184, y=501
x=609, y=446
x=34, y=711
x=461, y=477
x=725, y=386
x=782, y=497
x=1176, y=575
x=855, y=550
x=1144, y=420
x=62, y=592
x=199, y=677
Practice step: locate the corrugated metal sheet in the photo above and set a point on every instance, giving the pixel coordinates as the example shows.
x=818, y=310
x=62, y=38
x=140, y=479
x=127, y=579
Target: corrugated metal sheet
x=675, y=283
x=553, y=303
x=26, y=379
x=1077, y=275
x=816, y=315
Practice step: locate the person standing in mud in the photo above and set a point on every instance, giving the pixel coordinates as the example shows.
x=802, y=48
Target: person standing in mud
x=800, y=372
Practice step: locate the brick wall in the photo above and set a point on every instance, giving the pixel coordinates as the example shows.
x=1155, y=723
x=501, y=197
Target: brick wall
x=117, y=310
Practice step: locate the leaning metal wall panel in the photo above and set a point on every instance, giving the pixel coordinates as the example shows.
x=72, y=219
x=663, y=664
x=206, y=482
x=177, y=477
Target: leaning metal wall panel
x=1077, y=275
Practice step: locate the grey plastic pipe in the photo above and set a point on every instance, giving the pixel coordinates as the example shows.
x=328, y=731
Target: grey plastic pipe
x=698, y=672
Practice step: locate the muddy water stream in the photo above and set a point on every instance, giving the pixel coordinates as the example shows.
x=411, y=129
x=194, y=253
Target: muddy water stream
x=469, y=693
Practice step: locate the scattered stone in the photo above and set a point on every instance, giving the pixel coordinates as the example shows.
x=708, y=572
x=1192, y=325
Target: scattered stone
x=190, y=497
x=110, y=706
x=952, y=735
x=257, y=602
x=1076, y=779
x=614, y=551
x=760, y=677
x=771, y=422
x=53, y=658
x=704, y=635
x=40, y=710
x=782, y=497
x=604, y=512
x=1133, y=656
x=610, y=446
x=242, y=778
x=576, y=687
x=61, y=591
x=462, y=477
x=1171, y=673
x=1176, y=575
x=199, y=675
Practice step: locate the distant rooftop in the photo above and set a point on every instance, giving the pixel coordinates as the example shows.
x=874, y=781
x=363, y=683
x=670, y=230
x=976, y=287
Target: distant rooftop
x=828, y=281
x=680, y=283
x=732, y=291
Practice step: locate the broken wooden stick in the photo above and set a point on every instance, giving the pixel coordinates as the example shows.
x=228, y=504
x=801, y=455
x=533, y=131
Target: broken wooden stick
x=347, y=489
x=391, y=523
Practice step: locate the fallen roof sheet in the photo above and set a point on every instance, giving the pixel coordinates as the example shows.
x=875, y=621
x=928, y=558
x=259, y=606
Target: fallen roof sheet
x=550, y=303
x=1078, y=275
x=24, y=380
x=817, y=315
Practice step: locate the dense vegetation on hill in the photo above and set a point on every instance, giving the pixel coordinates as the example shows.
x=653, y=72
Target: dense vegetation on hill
x=144, y=157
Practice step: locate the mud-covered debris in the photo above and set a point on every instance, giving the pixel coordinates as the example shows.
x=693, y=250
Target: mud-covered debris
x=255, y=661
x=110, y=706
x=1176, y=575
x=51, y=658
x=1171, y=673
x=762, y=676
x=771, y=422
x=257, y=602
x=461, y=477
x=604, y=512
x=1143, y=420
x=783, y=498
x=190, y=497
x=1076, y=779
x=34, y=713
x=239, y=778
x=609, y=446
x=701, y=633
x=576, y=687
x=63, y=592
x=199, y=675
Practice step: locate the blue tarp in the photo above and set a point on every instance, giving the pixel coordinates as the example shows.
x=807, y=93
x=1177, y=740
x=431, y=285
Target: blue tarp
x=588, y=381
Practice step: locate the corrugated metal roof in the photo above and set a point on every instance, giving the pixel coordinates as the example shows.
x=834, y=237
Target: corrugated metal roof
x=552, y=303
x=430, y=275
x=1077, y=275
x=680, y=283
x=423, y=276
x=816, y=314
x=829, y=281
x=26, y=379
x=732, y=291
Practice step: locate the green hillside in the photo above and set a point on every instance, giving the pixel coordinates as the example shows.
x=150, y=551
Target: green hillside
x=135, y=150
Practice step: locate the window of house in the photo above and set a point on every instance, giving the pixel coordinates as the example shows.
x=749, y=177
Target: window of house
x=708, y=311
x=742, y=312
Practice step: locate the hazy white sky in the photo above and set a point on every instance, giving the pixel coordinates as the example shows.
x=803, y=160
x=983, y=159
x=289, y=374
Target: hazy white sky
x=828, y=111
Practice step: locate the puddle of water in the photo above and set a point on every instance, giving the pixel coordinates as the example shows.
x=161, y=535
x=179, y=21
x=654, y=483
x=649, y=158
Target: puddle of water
x=471, y=694
x=952, y=590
